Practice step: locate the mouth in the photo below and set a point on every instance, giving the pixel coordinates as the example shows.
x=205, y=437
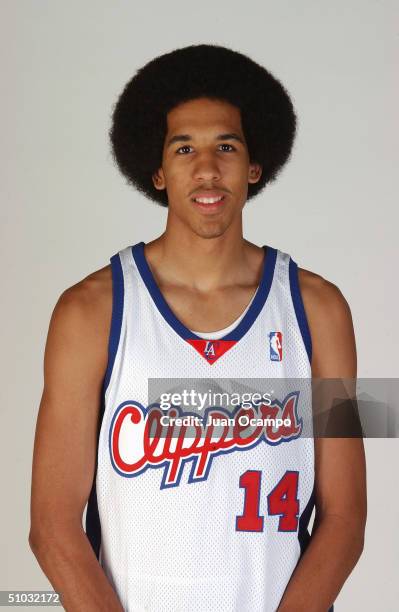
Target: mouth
x=209, y=204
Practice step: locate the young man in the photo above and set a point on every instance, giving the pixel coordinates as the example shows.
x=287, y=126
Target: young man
x=199, y=523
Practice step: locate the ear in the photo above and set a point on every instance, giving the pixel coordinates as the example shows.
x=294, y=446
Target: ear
x=158, y=179
x=254, y=173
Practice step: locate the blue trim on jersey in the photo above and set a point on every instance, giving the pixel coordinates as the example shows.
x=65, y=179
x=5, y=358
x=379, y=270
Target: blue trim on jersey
x=299, y=308
x=163, y=307
x=303, y=533
x=304, y=536
x=92, y=522
x=118, y=293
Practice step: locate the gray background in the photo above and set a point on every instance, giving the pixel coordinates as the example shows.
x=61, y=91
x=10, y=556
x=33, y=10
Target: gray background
x=65, y=210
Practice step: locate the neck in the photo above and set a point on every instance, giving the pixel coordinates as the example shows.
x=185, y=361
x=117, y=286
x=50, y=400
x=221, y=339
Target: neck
x=204, y=264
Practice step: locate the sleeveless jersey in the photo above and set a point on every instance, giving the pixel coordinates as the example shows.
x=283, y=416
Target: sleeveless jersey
x=214, y=521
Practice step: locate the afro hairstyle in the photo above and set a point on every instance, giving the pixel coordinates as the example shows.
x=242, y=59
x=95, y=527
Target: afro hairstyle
x=139, y=117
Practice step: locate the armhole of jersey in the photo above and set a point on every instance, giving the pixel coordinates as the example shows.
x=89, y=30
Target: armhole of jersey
x=304, y=536
x=118, y=292
x=303, y=533
x=92, y=523
x=299, y=308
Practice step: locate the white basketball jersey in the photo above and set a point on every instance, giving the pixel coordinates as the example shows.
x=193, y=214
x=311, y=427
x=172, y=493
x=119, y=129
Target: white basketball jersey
x=214, y=521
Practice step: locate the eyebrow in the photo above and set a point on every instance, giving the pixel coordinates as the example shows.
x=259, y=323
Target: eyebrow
x=187, y=137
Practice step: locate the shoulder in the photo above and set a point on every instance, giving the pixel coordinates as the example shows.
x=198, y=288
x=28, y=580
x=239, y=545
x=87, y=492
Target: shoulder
x=95, y=286
x=82, y=314
x=90, y=296
x=330, y=324
x=321, y=297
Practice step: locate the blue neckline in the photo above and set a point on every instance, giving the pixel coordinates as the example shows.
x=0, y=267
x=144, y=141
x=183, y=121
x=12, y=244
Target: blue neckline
x=163, y=307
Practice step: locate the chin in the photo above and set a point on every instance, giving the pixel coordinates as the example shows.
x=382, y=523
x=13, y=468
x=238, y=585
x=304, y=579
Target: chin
x=210, y=232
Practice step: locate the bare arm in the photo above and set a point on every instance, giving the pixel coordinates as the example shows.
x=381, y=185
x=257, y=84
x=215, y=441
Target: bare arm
x=340, y=474
x=65, y=446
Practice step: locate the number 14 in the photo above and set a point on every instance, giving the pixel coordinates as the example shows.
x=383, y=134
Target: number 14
x=282, y=500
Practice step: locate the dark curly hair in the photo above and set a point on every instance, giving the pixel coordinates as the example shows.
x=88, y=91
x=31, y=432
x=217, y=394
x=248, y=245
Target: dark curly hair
x=139, y=121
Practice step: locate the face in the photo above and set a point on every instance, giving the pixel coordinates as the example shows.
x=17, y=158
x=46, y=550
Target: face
x=205, y=156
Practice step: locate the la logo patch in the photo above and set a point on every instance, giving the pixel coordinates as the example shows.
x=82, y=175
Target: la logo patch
x=276, y=345
x=211, y=350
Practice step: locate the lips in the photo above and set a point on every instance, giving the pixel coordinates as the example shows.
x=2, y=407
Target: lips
x=208, y=201
x=208, y=195
x=211, y=207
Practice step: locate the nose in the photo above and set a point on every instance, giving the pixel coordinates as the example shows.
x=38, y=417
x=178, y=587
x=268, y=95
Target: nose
x=206, y=167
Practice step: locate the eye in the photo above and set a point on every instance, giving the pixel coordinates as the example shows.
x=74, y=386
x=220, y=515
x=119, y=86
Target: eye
x=183, y=147
x=225, y=144
x=179, y=151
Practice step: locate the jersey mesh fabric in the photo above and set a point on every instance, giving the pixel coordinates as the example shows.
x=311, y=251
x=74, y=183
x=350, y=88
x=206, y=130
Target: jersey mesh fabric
x=176, y=548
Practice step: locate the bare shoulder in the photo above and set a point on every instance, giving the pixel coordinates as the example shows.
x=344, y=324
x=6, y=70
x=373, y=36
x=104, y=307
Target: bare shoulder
x=91, y=296
x=331, y=327
x=321, y=297
x=81, y=320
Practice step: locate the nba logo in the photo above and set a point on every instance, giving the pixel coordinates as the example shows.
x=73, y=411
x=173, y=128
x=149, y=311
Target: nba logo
x=276, y=345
